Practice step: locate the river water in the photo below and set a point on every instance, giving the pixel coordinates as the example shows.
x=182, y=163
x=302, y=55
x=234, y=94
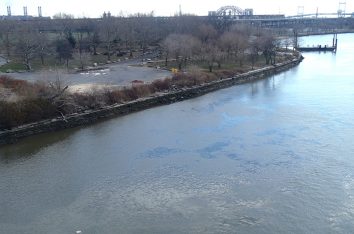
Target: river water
x=274, y=156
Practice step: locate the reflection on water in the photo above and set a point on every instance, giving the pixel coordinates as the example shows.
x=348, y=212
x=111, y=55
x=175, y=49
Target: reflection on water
x=274, y=156
x=32, y=146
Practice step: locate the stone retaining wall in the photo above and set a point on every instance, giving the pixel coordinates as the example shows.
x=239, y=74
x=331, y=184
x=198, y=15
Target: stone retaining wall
x=88, y=117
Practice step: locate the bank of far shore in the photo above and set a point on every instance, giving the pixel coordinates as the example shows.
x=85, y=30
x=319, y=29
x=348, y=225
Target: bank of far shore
x=325, y=32
x=92, y=116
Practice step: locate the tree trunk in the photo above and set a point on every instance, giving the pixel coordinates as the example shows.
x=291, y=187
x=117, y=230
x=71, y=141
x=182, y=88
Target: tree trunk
x=180, y=65
x=109, y=52
x=8, y=46
x=210, y=67
x=273, y=58
x=28, y=64
x=8, y=51
x=253, y=61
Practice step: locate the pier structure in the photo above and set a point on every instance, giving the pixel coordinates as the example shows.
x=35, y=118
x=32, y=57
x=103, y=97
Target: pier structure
x=320, y=48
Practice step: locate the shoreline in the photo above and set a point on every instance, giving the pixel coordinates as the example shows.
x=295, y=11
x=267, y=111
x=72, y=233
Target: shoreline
x=305, y=34
x=93, y=116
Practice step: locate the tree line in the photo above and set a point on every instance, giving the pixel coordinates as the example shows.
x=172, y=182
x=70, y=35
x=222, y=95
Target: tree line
x=183, y=39
x=207, y=45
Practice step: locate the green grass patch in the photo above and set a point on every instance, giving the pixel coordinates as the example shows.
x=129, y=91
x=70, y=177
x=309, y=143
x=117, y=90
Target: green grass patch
x=13, y=66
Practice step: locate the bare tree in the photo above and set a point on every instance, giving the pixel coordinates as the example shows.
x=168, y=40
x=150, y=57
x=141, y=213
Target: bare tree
x=128, y=35
x=173, y=45
x=27, y=46
x=109, y=34
x=144, y=33
x=95, y=41
x=267, y=44
x=253, y=52
x=287, y=42
x=207, y=33
x=181, y=47
x=85, y=31
x=83, y=58
x=63, y=23
x=227, y=43
x=64, y=51
x=211, y=54
x=62, y=15
x=165, y=50
x=44, y=48
x=243, y=29
x=243, y=44
x=6, y=31
x=233, y=43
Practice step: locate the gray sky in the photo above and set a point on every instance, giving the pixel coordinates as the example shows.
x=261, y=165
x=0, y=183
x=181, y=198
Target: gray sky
x=92, y=8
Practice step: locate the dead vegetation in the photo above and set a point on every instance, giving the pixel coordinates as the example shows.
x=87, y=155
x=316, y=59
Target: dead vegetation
x=39, y=101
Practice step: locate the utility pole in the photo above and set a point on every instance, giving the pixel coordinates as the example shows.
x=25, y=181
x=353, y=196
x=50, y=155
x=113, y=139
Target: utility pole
x=317, y=13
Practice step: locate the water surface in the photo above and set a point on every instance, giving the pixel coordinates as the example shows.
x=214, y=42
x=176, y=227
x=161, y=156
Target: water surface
x=274, y=156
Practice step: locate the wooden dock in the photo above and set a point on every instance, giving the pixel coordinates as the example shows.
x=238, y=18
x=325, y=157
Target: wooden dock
x=317, y=48
x=320, y=48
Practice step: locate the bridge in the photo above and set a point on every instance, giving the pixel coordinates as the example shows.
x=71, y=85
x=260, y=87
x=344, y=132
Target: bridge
x=322, y=15
x=234, y=14
x=231, y=12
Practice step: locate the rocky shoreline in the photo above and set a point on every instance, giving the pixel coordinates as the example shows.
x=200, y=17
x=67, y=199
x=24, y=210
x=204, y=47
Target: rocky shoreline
x=89, y=117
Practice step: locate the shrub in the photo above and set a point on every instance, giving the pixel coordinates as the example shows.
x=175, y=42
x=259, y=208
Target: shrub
x=25, y=111
x=129, y=94
x=114, y=96
x=88, y=100
x=141, y=90
x=27, y=89
x=13, y=84
x=37, y=100
x=161, y=85
x=10, y=115
x=182, y=80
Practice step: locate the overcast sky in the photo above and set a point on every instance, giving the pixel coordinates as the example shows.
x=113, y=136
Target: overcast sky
x=95, y=8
